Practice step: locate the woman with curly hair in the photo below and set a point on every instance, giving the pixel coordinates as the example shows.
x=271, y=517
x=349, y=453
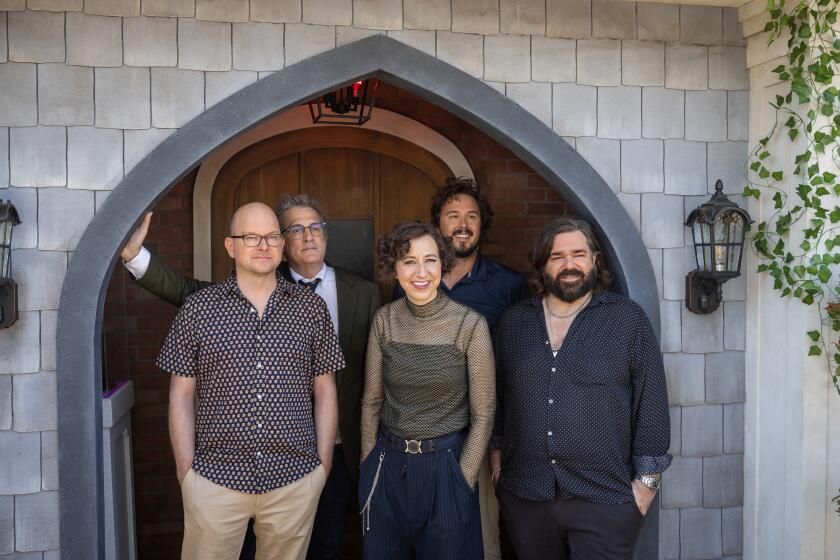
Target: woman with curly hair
x=427, y=409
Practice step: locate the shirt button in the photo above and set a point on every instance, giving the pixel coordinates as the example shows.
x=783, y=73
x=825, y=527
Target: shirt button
x=547, y=342
x=550, y=401
x=553, y=462
x=259, y=365
x=259, y=397
x=253, y=310
x=553, y=370
x=550, y=433
x=260, y=454
x=260, y=426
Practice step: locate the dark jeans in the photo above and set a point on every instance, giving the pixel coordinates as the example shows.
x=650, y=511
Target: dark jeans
x=328, y=528
x=421, y=506
x=570, y=529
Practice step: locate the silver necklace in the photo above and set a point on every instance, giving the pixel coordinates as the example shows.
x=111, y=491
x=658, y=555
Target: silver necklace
x=551, y=330
x=573, y=313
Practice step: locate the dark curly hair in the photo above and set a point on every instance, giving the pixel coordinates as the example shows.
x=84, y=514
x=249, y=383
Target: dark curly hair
x=394, y=246
x=454, y=186
x=541, y=251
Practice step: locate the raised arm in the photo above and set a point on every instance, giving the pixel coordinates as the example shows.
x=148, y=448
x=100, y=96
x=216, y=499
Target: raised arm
x=482, y=395
x=374, y=388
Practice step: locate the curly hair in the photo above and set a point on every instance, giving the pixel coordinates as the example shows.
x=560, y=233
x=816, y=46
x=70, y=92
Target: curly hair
x=455, y=186
x=541, y=251
x=394, y=246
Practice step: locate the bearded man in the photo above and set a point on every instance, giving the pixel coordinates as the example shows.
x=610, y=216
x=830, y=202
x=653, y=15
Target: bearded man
x=582, y=427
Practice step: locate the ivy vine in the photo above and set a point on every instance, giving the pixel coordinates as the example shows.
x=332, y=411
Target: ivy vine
x=809, y=116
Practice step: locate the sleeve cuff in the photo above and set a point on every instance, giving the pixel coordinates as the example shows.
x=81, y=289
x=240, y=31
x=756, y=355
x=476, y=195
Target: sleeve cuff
x=651, y=465
x=139, y=264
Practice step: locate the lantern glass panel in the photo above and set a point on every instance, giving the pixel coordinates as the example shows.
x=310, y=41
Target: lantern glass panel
x=5, y=248
x=702, y=244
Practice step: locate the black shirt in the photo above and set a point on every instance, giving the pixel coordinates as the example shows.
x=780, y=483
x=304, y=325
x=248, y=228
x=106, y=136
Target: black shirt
x=583, y=423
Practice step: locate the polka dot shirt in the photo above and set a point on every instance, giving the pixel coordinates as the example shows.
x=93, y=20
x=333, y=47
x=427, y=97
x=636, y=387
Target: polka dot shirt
x=255, y=427
x=583, y=423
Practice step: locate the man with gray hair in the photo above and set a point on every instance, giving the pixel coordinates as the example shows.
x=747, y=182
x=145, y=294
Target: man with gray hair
x=352, y=302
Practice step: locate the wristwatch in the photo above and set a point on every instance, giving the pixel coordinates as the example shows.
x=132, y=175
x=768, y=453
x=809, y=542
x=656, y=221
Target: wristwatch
x=652, y=481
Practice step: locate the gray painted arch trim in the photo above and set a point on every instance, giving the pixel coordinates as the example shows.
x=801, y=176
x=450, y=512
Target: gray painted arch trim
x=82, y=298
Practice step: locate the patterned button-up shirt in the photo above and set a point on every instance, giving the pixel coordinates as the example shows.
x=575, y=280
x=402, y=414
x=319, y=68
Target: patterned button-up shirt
x=583, y=423
x=254, y=427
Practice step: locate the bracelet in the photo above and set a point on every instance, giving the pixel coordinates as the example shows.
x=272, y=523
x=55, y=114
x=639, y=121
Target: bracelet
x=497, y=470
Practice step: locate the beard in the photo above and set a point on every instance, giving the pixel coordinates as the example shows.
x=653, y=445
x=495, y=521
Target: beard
x=570, y=292
x=464, y=251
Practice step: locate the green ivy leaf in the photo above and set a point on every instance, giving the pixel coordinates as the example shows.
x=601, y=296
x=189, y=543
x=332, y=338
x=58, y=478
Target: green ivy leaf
x=815, y=335
x=824, y=274
x=814, y=351
x=805, y=246
x=799, y=270
x=777, y=175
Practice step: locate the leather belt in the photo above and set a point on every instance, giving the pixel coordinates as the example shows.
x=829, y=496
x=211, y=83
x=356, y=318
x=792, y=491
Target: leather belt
x=414, y=446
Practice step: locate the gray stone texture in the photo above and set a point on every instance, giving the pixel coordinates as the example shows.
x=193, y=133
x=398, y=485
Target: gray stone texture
x=94, y=40
x=702, y=333
x=25, y=235
x=39, y=274
x=620, y=112
x=641, y=166
x=20, y=469
x=427, y=14
x=633, y=205
x=702, y=430
x=56, y=5
x=655, y=256
x=642, y=63
x=734, y=325
x=522, y=17
x=732, y=32
x=658, y=22
x=685, y=379
x=662, y=223
x=475, y=16
x=463, y=51
x=258, y=46
x=63, y=216
x=36, y=36
x=172, y=8
x=685, y=167
x=49, y=460
x=276, y=11
x=733, y=428
x=417, y=38
x=737, y=115
x=671, y=319
x=328, y=12
x=602, y=154
x=705, y=116
x=378, y=14
x=686, y=66
x=177, y=96
x=676, y=264
x=36, y=521
x=682, y=483
x=4, y=38
x=219, y=85
x=5, y=403
x=553, y=60
x=99, y=199
x=568, y=18
x=35, y=402
x=701, y=25
x=599, y=62
x=727, y=162
x=345, y=35
x=65, y=95
x=613, y=19
x=723, y=481
x=18, y=92
x=533, y=97
x=94, y=158
x=725, y=377
x=4, y=157
x=675, y=416
x=19, y=343
x=221, y=10
x=507, y=58
x=575, y=110
x=7, y=524
x=304, y=41
x=150, y=41
x=12, y=5
x=663, y=113
x=728, y=68
x=38, y=156
x=122, y=98
x=123, y=8
x=49, y=319
x=700, y=533
x=669, y=534
x=204, y=45
x=732, y=525
x=138, y=143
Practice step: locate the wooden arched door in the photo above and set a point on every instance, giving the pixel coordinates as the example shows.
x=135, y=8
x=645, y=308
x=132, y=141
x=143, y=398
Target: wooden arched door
x=366, y=182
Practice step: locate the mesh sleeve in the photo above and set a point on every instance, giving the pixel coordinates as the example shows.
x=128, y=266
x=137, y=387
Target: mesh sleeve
x=374, y=388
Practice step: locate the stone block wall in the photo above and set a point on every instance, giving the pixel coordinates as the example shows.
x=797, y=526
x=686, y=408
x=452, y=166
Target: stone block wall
x=652, y=95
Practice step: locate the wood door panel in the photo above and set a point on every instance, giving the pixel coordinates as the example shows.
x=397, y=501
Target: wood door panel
x=342, y=180
x=270, y=183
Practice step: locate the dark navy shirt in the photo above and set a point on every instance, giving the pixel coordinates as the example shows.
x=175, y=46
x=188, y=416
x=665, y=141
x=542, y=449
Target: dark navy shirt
x=582, y=424
x=489, y=288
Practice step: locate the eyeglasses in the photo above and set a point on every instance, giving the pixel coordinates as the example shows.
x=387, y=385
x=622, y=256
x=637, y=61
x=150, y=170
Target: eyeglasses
x=317, y=229
x=253, y=240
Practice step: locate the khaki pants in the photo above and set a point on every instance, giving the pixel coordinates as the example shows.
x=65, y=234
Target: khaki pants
x=215, y=518
x=489, y=506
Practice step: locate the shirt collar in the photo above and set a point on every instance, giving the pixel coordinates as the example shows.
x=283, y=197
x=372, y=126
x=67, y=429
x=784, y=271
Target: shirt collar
x=476, y=273
x=599, y=297
x=322, y=274
x=230, y=287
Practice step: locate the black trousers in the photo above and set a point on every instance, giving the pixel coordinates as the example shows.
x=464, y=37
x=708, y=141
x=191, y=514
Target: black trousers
x=570, y=529
x=328, y=528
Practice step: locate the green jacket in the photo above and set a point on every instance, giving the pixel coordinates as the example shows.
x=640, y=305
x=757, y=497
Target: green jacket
x=358, y=300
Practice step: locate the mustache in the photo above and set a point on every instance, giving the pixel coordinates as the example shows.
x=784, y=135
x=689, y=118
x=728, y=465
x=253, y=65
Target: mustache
x=466, y=230
x=569, y=274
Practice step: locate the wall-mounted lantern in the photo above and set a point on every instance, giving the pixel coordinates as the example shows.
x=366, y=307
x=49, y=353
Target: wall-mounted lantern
x=718, y=226
x=8, y=289
x=352, y=104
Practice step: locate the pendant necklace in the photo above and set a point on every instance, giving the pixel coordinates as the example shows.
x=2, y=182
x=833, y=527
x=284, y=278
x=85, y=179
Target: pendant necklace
x=560, y=316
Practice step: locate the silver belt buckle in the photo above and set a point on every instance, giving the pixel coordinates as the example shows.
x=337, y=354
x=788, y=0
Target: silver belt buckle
x=412, y=446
